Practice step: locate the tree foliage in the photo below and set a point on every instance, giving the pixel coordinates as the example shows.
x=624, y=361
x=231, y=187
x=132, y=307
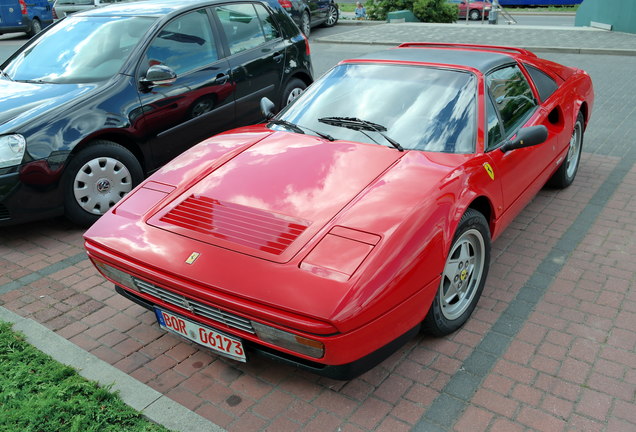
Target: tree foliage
x=432, y=11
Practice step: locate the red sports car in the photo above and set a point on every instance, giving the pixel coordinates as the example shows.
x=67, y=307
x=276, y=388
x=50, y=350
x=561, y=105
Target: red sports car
x=364, y=211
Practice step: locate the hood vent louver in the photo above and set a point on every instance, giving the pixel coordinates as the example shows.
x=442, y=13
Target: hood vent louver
x=246, y=226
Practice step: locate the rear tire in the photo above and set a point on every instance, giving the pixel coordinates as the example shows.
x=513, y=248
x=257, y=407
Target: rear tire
x=293, y=89
x=96, y=179
x=332, y=16
x=565, y=174
x=36, y=28
x=463, y=277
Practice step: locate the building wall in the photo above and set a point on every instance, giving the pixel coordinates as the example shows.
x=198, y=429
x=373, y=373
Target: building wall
x=620, y=14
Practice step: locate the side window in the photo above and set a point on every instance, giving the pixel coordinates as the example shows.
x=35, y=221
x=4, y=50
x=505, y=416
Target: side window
x=184, y=45
x=512, y=95
x=545, y=85
x=243, y=28
x=493, y=127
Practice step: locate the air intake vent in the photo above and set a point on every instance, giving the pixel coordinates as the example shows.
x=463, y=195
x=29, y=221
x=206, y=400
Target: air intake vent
x=246, y=226
x=194, y=306
x=4, y=213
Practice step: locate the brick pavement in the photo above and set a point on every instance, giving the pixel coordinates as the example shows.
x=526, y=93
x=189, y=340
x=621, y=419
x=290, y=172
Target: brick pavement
x=551, y=346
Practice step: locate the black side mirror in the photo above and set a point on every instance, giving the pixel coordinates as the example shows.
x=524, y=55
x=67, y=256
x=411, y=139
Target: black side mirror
x=158, y=75
x=267, y=108
x=526, y=137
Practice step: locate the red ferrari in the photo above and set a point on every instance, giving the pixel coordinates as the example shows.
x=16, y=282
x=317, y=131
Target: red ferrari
x=361, y=213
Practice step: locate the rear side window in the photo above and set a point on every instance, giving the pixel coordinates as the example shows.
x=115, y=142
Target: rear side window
x=513, y=97
x=544, y=83
x=246, y=26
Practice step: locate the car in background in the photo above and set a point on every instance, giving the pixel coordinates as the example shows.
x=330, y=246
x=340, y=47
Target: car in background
x=29, y=16
x=312, y=13
x=476, y=9
x=62, y=8
x=363, y=212
x=103, y=97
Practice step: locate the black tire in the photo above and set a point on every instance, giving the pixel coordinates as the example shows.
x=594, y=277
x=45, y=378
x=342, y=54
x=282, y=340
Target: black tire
x=474, y=14
x=463, y=277
x=293, y=89
x=36, y=27
x=305, y=23
x=565, y=174
x=332, y=16
x=87, y=196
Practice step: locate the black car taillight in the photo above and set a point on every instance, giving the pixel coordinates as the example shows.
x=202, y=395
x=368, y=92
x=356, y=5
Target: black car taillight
x=286, y=4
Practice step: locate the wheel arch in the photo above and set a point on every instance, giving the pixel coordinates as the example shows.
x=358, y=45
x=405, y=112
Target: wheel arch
x=123, y=140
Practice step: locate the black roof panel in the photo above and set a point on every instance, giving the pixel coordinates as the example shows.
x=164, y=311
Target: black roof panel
x=483, y=61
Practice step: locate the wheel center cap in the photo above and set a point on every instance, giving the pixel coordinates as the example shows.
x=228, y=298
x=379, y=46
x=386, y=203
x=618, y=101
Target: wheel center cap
x=463, y=275
x=103, y=185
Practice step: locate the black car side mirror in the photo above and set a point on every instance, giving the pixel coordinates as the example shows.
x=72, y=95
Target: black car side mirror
x=158, y=75
x=526, y=137
x=267, y=108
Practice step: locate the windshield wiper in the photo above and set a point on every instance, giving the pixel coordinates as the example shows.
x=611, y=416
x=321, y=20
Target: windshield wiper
x=300, y=129
x=361, y=126
x=6, y=75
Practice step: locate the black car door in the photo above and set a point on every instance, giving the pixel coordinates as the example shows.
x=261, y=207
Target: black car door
x=256, y=56
x=199, y=102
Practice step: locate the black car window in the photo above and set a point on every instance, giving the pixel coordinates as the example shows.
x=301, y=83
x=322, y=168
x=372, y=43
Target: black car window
x=267, y=21
x=544, y=83
x=185, y=44
x=243, y=28
x=493, y=126
x=512, y=95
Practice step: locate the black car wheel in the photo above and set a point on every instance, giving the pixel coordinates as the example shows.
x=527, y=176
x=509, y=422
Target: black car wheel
x=293, y=89
x=564, y=175
x=474, y=14
x=36, y=28
x=305, y=23
x=332, y=16
x=97, y=178
x=463, y=277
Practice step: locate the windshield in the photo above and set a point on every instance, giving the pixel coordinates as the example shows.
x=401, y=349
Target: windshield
x=422, y=108
x=79, y=50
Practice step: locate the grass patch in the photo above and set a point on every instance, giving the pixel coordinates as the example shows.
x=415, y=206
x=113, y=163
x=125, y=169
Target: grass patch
x=347, y=7
x=38, y=394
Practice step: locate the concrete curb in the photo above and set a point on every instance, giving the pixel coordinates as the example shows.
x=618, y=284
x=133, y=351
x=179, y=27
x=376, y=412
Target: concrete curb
x=155, y=406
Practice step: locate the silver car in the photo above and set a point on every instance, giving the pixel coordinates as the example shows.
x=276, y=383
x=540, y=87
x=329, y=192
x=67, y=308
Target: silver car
x=61, y=8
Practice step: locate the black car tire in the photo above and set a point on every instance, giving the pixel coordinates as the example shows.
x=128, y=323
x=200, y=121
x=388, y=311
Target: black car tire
x=87, y=196
x=474, y=14
x=332, y=16
x=463, y=277
x=305, y=23
x=36, y=27
x=565, y=174
x=293, y=89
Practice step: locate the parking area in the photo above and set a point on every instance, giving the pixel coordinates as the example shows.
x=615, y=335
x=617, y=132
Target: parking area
x=550, y=347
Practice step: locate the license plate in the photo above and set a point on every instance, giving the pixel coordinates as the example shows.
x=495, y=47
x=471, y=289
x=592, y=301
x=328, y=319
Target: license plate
x=219, y=342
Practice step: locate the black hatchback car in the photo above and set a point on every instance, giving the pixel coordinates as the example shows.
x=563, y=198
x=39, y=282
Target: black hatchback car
x=103, y=97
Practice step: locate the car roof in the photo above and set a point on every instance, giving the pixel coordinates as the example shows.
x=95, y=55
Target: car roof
x=481, y=57
x=150, y=8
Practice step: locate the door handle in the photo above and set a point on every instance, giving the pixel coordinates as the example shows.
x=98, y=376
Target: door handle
x=278, y=57
x=221, y=79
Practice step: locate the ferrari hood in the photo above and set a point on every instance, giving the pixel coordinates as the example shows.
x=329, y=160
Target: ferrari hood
x=20, y=102
x=269, y=200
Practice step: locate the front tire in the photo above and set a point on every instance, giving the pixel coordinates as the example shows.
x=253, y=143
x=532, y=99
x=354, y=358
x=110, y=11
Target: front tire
x=474, y=15
x=463, y=277
x=96, y=179
x=305, y=23
x=565, y=174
